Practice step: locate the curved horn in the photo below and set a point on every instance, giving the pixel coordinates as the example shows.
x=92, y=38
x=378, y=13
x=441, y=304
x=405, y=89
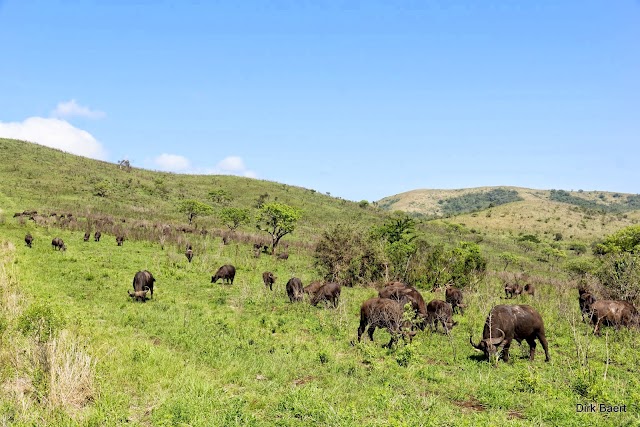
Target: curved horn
x=496, y=340
x=477, y=347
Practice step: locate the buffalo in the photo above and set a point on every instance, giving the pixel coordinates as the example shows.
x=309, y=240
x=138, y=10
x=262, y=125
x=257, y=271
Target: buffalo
x=585, y=300
x=58, y=243
x=86, y=237
x=384, y=313
x=226, y=273
x=269, y=279
x=139, y=295
x=143, y=279
x=512, y=290
x=329, y=292
x=283, y=256
x=439, y=311
x=454, y=297
x=529, y=289
x=403, y=293
x=96, y=236
x=508, y=322
x=119, y=240
x=312, y=288
x=28, y=239
x=189, y=254
x=295, y=290
x=188, y=247
x=613, y=313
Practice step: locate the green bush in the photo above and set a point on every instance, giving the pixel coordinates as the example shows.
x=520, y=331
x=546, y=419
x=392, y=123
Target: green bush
x=40, y=321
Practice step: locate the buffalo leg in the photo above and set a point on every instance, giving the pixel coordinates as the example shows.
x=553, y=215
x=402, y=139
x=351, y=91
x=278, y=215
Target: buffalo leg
x=361, y=329
x=532, y=347
x=543, y=341
x=371, y=330
x=505, y=351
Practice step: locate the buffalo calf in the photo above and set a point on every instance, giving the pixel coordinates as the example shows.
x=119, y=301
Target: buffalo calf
x=440, y=312
x=454, y=297
x=269, y=279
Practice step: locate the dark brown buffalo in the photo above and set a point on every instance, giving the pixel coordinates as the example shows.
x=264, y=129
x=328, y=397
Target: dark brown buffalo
x=226, y=273
x=529, y=289
x=295, y=290
x=58, y=243
x=508, y=322
x=512, y=290
x=139, y=295
x=189, y=254
x=119, y=240
x=283, y=256
x=613, y=313
x=454, y=297
x=585, y=300
x=440, y=312
x=403, y=293
x=28, y=239
x=96, y=236
x=384, y=313
x=143, y=279
x=330, y=292
x=269, y=279
x=86, y=237
x=312, y=288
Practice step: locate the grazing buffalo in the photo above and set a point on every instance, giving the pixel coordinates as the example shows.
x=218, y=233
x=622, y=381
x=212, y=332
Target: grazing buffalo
x=508, y=322
x=283, y=256
x=189, y=254
x=295, y=290
x=403, y=293
x=512, y=290
x=120, y=240
x=613, y=313
x=529, y=290
x=226, y=273
x=86, y=237
x=454, y=297
x=384, y=313
x=139, y=295
x=28, y=239
x=330, y=292
x=585, y=300
x=96, y=236
x=58, y=243
x=269, y=279
x=312, y=288
x=439, y=311
x=143, y=279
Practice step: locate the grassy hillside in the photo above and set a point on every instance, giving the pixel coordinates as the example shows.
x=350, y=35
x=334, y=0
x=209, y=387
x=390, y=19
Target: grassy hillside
x=39, y=178
x=76, y=350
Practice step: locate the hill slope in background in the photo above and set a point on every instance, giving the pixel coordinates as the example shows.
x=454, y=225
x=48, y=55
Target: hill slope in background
x=585, y=215
x=35, y=177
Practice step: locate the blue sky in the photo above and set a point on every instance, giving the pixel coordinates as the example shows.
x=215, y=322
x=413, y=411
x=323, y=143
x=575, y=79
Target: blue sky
x=362, y=99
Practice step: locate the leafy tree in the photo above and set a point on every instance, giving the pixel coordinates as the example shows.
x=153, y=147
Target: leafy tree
x=508, y=258
x=363, y=204
x=624, y=240
x=102, y=188
x=620, y=275
x=193, y=208
x=581, y=267
x=346, y=256
x=397, y=234
x=220, y=196
x=261, y=200
x=277, y=219
x=234, y=217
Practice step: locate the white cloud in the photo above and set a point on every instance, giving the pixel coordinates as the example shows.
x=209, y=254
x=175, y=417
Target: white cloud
x=172, y=162
x=54, y=133
x=73, y=109
x=233, y=165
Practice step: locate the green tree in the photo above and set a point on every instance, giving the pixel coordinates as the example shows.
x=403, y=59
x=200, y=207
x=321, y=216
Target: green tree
x=277, y=219
x=508, y=258
x=624, y=240
x=234, y=217
x=397, y=234
x=193, y=208
x=220, y=196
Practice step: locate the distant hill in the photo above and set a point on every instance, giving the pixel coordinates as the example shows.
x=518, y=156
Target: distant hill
x=579, y=214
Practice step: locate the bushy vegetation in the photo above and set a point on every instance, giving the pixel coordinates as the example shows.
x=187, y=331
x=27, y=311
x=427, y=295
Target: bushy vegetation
x=631, y=202
x=473, y=202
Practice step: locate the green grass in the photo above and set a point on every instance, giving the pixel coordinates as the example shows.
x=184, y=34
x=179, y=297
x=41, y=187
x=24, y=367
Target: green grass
x=211, y=354
x=208, y=354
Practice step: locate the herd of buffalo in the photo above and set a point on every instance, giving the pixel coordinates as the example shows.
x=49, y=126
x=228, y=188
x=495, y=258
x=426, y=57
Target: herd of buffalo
x=400, y=308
